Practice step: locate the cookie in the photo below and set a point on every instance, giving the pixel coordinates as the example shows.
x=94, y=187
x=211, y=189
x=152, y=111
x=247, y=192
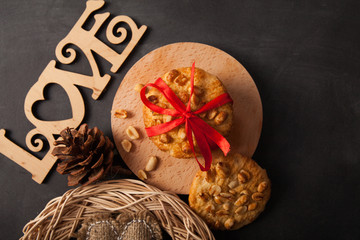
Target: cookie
x=206, y=88
x=231, y=194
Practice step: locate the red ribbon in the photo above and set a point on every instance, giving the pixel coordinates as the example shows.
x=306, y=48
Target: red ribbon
x=204, y=134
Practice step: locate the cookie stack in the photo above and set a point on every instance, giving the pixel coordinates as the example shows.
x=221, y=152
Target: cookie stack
x=236, y=189
x=206, y=88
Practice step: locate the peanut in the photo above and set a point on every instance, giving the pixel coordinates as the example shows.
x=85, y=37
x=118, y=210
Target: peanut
x=252, y=206
x=233, y=184
x=126, y=144
x=185, y=147
x=262, y=186
x=138, y=87
x=182, y=133
x=241, y=209
x=151, y=164
x=244, y=192
x=222, y=212
x=180, y=80
x=220, y=118
x=229, y=223
x=167, y=118
x=257, y=196
x=183, y=96
x=210, y=208
x=142, y=175
x=211, y=114
x=215, y=190
x=226, y=206
x=226, y=195
x=221, y=169
x=132, y=133
x=218, y=200
x=165, y=138
x=203, y=196
x=243, y=176
x=121, y=114
x=241, y=200
x=172, y=75
x=198, y=91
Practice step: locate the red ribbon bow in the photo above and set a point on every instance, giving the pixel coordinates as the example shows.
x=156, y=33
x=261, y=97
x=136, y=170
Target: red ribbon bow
x=204, y=134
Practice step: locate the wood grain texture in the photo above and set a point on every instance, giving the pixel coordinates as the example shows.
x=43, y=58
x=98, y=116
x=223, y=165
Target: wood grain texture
x=176, y=174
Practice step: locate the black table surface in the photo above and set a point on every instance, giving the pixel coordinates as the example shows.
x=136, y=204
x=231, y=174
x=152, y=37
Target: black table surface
x=303, y=56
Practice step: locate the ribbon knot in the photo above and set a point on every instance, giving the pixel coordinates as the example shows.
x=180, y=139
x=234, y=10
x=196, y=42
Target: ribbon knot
x=187, y=114
x=204, y=134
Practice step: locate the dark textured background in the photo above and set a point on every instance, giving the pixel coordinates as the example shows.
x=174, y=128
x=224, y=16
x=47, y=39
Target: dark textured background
x=303, y=56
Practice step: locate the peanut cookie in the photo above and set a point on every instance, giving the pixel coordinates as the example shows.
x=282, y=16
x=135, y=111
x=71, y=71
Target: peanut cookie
x=231, y=194
x=206, y=88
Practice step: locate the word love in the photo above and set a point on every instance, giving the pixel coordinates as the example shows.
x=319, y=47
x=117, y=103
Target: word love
x=86, y=41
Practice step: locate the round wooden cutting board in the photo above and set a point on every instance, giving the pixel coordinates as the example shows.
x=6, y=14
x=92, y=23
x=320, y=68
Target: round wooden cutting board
x=173, y=174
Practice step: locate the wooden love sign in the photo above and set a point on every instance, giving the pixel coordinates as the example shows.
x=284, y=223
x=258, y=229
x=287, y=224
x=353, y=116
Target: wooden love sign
x=86, y=41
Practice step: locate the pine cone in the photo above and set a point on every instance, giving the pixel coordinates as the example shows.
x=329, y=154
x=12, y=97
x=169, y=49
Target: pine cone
x=86, y=155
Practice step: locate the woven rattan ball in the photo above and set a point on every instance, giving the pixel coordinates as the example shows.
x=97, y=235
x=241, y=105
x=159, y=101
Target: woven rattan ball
x=63, y=215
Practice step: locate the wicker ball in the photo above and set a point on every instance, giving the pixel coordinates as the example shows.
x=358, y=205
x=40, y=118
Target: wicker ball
x=62, y=216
